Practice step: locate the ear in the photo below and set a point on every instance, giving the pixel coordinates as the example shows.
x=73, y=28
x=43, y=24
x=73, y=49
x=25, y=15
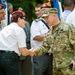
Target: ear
x=19, y=19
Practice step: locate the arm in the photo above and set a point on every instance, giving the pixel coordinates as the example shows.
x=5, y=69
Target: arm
x=45, y=46
x=25, y=52
x=36, y=32
x=39, y=38
x=72, y=41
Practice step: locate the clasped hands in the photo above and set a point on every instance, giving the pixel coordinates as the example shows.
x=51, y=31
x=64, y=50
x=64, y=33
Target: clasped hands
x=32, y=52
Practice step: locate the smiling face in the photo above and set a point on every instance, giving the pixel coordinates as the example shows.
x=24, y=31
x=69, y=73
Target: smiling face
x=37, y=11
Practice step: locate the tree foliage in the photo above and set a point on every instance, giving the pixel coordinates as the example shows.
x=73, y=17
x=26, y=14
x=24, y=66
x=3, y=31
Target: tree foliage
x=28, y=6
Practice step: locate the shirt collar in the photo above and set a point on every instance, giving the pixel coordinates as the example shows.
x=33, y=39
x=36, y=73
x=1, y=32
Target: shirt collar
x=14, y=23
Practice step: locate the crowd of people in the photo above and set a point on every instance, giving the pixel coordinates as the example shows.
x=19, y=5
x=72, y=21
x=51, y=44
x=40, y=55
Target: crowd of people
x=48, y=43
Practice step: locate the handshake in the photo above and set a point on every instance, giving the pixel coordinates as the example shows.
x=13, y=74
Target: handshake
x=31, y=52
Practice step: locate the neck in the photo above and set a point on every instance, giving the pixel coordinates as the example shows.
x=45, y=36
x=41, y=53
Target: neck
x=56, y=22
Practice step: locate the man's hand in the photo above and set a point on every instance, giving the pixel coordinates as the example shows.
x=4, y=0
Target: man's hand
x=73, y=62
x=31, y=52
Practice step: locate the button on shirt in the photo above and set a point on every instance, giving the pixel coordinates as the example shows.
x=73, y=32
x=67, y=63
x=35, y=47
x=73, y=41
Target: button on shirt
x=12, y=37
x=37, y=28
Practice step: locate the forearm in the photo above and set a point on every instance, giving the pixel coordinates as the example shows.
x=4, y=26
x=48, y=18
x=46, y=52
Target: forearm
x=24, y=51
x=39, y=38
x=41, y=50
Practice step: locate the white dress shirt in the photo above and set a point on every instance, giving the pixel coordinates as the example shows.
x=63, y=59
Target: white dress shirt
x=12, y=37
x=37, y=28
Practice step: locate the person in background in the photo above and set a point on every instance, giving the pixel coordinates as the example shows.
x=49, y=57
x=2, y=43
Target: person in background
x=13, y=44
x=25, y=61
x=2, y=15
x=60, y=41
x=37, y=10
x=71, y=17
x=68, y=6
x=10, y=10
x=39, y=27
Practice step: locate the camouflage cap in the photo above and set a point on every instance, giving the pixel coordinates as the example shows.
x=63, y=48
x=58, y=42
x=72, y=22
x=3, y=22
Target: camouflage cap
x=49, y=11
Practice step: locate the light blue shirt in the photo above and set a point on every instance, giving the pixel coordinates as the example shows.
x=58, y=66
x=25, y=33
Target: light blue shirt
x=71, y=18
x=65, y=15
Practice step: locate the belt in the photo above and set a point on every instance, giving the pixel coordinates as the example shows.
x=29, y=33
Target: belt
x=47, y=54
x=2, y=51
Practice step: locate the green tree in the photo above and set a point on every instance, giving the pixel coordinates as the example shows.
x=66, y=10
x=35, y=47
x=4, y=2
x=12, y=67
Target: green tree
x=28, y=6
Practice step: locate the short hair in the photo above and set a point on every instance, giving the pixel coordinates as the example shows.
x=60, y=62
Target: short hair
x=68, y=2
x=9, y=5
x=16, y=15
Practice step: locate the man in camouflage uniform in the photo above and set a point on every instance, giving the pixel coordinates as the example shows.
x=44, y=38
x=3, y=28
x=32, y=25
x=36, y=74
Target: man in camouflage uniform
x=60, y=41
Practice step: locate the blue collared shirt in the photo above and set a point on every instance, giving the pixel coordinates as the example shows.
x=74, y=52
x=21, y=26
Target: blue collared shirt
x=65, y=15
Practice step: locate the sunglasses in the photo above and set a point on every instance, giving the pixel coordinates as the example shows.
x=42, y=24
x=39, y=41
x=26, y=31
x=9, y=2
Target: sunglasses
x=24, y=18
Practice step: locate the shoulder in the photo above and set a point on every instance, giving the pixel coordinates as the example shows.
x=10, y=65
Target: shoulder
x=36, y=22
x=66, y=27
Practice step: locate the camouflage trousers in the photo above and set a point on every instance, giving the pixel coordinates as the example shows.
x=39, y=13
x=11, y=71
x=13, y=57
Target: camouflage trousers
x=64, y=71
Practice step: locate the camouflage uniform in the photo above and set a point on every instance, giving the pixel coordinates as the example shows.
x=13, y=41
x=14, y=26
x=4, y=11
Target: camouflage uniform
x=61, y=42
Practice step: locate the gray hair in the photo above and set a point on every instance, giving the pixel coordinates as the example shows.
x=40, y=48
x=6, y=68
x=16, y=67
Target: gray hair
x=9, y=5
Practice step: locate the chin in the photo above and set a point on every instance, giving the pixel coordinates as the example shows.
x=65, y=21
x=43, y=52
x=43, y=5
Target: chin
x=4, y=18
x=23, y=26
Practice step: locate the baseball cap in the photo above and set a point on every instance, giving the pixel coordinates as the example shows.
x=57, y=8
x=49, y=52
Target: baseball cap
x=49, y=11
x=17, y=13
x=45, y=5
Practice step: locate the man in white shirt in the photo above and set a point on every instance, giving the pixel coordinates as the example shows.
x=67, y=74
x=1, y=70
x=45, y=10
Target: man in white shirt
x=12, y=45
